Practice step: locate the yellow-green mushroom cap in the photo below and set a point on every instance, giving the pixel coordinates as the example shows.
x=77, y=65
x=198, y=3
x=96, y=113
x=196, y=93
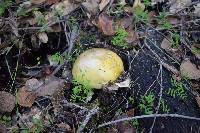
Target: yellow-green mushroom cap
x=97, y=67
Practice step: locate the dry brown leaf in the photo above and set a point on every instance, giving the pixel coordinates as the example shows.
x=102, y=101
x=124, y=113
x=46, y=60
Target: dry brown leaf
x=51, y=2
x=103, y=4
x=125, y=23
x=105, y=23
x=25, y=98
x=174, y=20
x=42, y=37
x=50, y=88
x=66, y=7
x=132, y=36
x=198, y=101
x=7, y=102
x=166, y=44
x=91, y=6
x=189, y=70
x=33, y=84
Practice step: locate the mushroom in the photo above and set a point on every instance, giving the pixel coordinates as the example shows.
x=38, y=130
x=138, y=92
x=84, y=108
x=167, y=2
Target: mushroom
x=97, y=67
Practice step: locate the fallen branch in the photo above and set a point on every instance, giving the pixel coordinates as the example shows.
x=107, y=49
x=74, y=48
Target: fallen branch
x=88, y=117
x=147, y=116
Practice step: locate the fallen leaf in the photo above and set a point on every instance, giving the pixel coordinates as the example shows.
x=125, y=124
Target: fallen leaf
x=3, y=128
x=65, y=7
x=125, y=23
x=51, y=2
x=33, y=84
x=132, y=36
x=189, y=70
x=42, y=37
x=91, y=6
x=174, y=20
x=7, y=102
x=198, y=101
x=25, y=98
x=50, y=87
x=103, y=4
x=105, y=23
x=166, y=44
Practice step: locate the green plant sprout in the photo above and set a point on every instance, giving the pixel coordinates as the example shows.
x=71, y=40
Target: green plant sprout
x=146, y=104
x=177, y=90
x=147, y=2
x=131, y=100
x=175, y=40
x=5, y=120
x=118, y=9
x=140, y=15
x=57, y=58
x=4, y=4
x=165, y=24
x=80, y=92
x=134, y=123
x=164, y=107
x=119, y=38
x=38, y=126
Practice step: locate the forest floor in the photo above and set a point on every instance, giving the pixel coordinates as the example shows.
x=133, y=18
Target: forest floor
x=157, y=40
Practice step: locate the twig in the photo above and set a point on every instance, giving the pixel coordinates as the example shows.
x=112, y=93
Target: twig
x=160, y=97
x=69, y=104
x=88, y=117
x=167, y=66
x=147, y=116
x=74, y=33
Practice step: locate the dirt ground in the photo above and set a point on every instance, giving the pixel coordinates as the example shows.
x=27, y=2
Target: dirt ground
x=157, y=41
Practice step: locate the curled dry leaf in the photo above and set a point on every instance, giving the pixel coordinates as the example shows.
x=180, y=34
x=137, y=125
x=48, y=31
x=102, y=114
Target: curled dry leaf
x=34, y=88
x=7, y=102
x=42, y=37
x=25, y=98
x=105, y=23
x=189, y=70
x=103, y=4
